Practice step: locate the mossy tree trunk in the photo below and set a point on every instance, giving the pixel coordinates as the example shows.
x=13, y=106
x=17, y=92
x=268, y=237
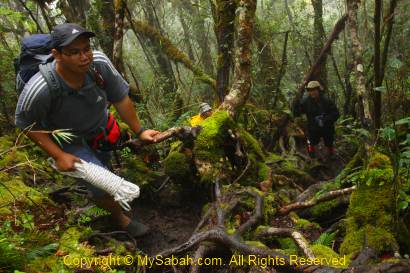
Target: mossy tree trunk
x=241, y=86
x=224, y=21
x=357, y=49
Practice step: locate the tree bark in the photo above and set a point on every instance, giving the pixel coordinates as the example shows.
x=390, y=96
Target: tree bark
x=241, y=86
x=390, y=22
x=225, y=16
x=357, y=49
x=318, y=37
x=104, y=34
x=377, y=95
x=268, y=72
x=282, y=70
x=119, y=10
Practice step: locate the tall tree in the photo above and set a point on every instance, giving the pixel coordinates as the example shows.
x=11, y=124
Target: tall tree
x=268, y=71
x=357, y=50
x=106, y=28
x=377, y=95
x=224, y=21
x=119, y=11
x=242, y=82
x=318, y=38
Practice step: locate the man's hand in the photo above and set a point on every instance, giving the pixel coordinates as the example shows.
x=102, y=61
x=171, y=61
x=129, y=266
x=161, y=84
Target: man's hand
x=148, y=135
x=65, y=162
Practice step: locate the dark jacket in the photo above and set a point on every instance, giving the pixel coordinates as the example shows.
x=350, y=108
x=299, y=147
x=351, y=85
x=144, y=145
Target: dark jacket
x=313, y=108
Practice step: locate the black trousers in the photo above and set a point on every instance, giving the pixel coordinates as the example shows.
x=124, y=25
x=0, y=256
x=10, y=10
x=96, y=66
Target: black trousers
x=326, y=132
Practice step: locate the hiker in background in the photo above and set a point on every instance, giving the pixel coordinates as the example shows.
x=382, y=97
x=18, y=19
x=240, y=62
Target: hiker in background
x=321, y=114
x=71, y=91
x=205, y=111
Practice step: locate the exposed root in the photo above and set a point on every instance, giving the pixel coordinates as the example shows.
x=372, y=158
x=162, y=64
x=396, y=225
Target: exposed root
x=299, y=239
x=310, y=203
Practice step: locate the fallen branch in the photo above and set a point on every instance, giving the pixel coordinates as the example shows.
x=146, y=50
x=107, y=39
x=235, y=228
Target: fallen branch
x=299, y=239
x=310, y=203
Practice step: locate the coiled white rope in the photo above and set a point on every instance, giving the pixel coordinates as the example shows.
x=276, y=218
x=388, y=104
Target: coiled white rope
x=122, y=190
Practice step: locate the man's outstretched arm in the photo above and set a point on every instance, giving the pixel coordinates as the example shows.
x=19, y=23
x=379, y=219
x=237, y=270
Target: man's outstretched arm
x=126, y=110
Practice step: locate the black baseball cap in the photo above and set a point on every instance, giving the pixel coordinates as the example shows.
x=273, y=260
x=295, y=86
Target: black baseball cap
x=64, y=34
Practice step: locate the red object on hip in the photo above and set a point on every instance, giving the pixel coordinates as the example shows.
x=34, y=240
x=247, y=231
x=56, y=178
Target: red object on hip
x=107, y=139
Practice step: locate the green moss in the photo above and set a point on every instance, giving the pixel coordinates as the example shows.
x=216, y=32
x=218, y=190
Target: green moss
x=251, y=144
x=13, y=189
x=263, y=172
x=321, y=251
x=290, y=169
x=306, y=225
x=288, y=246
x=371, y=210
x=177, y=167
x=212, y=136
x=256, y=244
x=269, y=207
x=378, y=239
x=324, y=208
x=208, y=147
x=136, y=171
x=273, y=158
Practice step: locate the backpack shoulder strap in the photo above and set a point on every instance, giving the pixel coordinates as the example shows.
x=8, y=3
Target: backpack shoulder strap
x=97, y=77
x=50, y=77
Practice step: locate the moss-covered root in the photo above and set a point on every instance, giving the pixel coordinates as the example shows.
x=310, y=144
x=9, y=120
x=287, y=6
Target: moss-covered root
x=370, y=217
x=215, y=153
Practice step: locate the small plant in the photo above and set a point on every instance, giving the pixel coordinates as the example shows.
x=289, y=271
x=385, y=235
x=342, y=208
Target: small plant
x=326, y=239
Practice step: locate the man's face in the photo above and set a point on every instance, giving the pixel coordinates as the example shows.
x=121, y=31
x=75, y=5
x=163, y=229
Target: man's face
x=313, y=92
x=76, y=56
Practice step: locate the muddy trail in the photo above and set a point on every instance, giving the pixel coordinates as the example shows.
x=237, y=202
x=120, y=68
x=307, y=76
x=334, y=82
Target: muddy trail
x=171, y=223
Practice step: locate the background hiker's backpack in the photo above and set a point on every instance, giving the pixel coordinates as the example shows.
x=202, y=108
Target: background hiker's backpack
x=35, y=50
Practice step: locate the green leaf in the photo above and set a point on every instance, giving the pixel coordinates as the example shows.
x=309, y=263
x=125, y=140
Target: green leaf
x=403, y=121
x=395, y=63
x=325, y=239
x=388, y=133
x=403, y=205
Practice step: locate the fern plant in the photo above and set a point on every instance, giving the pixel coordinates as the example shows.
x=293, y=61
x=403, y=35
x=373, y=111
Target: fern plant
x=325, y=239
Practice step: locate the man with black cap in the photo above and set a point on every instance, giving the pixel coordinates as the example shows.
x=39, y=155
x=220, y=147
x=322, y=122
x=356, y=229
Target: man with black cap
x=75, y=96
x=321, y=114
